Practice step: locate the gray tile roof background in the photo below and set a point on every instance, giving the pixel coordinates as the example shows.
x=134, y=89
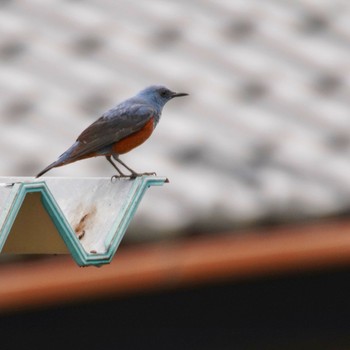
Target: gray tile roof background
x=265, y=134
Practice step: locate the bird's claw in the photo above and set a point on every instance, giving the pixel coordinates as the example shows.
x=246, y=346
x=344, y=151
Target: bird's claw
x=132, y=176
x=135, y=175
x=115, y=177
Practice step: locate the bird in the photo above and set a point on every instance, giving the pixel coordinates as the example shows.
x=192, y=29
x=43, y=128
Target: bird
x=119, y=130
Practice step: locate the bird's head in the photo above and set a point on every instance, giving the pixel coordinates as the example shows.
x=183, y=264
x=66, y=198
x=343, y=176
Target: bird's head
x=159, y=95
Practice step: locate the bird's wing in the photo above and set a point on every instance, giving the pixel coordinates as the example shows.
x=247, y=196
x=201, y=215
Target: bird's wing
x=112, y=127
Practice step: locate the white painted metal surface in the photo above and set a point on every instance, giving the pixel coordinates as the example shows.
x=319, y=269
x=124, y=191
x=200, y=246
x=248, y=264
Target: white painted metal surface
x=90, y=214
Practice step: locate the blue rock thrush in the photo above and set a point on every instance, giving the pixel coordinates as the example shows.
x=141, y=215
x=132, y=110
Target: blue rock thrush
x=119, y=130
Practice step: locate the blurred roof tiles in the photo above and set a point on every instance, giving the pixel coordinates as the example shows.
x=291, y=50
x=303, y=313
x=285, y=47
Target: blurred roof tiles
x=264, y=135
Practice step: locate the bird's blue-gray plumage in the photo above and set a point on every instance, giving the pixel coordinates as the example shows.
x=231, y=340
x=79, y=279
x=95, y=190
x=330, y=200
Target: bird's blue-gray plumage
x=117, y=123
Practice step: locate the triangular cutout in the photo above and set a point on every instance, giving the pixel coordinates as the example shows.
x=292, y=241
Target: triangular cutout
x=33, y=231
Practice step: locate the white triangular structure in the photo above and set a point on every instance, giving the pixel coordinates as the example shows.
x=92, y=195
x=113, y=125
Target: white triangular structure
x=49, y=215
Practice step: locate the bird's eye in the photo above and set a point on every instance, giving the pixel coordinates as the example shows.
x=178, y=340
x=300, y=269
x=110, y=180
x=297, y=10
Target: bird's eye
x=163, y=93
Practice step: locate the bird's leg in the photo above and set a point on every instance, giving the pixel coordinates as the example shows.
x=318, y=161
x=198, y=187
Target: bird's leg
x=133, y=174
x=121, y=174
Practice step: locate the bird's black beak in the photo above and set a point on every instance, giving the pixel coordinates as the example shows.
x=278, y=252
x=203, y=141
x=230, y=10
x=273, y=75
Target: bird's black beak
x=179, y=94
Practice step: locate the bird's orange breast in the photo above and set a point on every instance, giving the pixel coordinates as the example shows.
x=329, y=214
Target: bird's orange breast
x=136, y=139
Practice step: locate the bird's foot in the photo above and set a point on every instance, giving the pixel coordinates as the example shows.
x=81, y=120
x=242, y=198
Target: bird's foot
x=132, y=176
x=135, y=175
x=115, y=177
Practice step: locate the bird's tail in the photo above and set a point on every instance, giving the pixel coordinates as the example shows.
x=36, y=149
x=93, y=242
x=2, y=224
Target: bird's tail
x=52, y=165
x=63, y=159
